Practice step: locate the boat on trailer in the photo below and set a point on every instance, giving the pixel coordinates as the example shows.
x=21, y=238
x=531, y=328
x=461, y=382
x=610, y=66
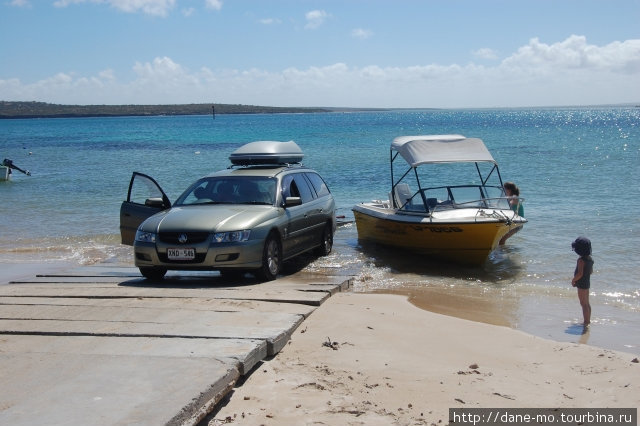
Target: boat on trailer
x=459, y=221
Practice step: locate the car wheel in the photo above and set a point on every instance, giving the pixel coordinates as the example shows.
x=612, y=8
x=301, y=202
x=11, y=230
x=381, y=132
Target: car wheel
x=153, y=273
x=327, y=241
x=271, y=259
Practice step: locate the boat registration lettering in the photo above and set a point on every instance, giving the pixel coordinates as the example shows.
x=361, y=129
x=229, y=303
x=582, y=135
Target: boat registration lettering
x=182, y=253
x=445, y=229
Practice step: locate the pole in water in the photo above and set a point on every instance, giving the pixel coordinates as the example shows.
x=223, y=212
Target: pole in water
x=213, y=111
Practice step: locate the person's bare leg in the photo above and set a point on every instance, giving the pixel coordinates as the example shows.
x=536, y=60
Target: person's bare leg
x=583, y=296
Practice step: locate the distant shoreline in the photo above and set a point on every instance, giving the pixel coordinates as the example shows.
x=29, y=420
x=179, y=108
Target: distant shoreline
x=14, y=110
x=19, y=110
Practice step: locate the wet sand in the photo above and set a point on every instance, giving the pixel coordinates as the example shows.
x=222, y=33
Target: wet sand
x=464, y=303
x=549, y=316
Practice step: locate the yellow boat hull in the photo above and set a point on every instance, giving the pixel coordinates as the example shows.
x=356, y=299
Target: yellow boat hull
x=468, y=243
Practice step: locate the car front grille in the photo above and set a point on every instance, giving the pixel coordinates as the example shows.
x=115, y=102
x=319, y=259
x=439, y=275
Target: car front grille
x=192, y=237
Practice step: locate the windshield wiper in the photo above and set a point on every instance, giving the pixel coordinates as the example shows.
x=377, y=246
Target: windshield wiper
x=257, y=203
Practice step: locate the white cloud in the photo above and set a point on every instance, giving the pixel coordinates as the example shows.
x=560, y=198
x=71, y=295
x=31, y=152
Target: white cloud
x=213, y=4
x=361, y=33
x=486, y=53
x=575, y=54
x=20, y=3
x=315, y=19
x=270, y=21
x=107, y=75
x=65, y=3
x=160, y=70
x=570, y=72
x=150, y=7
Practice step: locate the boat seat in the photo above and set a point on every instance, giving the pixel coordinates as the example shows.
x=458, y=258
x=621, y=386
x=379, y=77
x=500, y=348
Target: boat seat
x=432, y=203
x=402, y=194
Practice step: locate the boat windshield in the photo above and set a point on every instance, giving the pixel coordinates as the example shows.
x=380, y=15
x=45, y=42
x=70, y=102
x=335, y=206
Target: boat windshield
x=230, y=190
x=450, y=185
x=450, y=197
x=465, y=196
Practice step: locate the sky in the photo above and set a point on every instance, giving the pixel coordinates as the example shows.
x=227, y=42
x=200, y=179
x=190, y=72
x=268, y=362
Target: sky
x=322, y=53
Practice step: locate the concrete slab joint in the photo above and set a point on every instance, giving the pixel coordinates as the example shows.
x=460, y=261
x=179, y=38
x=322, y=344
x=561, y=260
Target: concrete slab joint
x=199, y=407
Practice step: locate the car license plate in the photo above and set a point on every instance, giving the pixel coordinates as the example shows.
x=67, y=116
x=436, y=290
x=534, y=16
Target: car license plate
x=181, y=253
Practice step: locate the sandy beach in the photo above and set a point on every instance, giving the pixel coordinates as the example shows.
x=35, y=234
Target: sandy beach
x=375, y=359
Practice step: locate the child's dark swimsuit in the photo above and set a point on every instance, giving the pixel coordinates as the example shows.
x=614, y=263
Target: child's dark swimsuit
x=585, y=281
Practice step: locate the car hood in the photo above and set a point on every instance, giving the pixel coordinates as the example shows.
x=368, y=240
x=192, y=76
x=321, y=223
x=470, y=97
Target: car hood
x=218, y=218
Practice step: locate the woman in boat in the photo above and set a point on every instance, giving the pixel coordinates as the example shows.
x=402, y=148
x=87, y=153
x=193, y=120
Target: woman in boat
x=512, y=192
x=582, y=275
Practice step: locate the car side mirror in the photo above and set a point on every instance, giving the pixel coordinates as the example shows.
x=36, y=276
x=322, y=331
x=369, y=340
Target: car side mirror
x=157, y=203
x=292, y=201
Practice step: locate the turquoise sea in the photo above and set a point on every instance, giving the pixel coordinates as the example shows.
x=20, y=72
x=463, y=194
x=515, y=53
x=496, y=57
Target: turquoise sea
x=578, y=170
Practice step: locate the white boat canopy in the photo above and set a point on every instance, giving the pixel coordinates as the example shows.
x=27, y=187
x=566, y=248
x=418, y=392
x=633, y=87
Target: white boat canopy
x=417, y=150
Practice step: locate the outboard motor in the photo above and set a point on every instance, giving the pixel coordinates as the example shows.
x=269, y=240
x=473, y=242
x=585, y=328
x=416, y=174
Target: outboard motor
x=8, y=163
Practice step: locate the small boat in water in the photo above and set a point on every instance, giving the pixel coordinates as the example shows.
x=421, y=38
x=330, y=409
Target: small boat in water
x=452, y=218
x=5, y=169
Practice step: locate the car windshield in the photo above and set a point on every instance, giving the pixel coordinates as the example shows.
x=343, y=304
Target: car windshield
x=230, y=190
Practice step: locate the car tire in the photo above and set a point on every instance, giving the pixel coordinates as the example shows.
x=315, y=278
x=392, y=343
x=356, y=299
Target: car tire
x=153, y=273
x=326, y=244
x=271, y=259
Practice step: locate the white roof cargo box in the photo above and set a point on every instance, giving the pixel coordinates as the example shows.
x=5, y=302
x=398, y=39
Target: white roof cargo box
x=266, y=152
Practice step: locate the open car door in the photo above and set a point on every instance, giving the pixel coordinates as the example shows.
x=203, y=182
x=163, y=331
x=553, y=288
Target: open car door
x=144, y=199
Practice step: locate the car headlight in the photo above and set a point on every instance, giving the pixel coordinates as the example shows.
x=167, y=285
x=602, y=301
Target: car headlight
x=231, y=237
x=145, y=237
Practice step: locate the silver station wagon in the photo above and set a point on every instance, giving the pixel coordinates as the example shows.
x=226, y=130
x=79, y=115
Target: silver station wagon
x=266, y=208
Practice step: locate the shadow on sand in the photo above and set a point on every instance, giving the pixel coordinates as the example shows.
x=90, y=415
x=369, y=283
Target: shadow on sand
x=579, y=330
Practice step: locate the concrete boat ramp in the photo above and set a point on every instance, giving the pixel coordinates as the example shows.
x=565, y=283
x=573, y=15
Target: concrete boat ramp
x=101, y=345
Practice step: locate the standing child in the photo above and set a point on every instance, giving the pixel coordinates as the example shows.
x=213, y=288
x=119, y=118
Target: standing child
x=582, y=275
